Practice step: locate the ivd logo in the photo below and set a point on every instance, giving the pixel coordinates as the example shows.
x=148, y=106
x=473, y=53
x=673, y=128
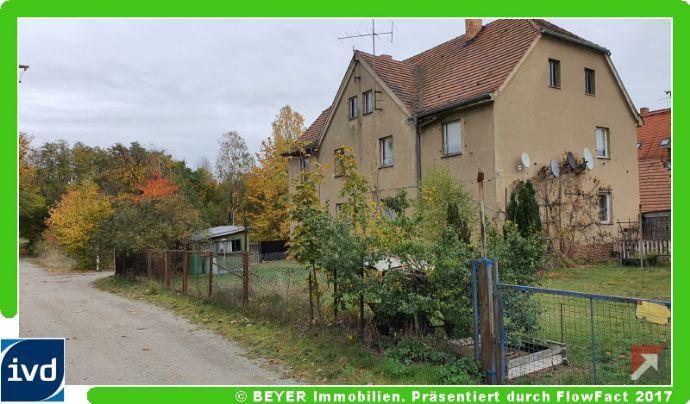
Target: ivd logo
x=32, y=369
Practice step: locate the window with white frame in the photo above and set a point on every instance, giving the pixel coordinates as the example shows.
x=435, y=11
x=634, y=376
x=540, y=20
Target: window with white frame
x=352, y=107
x=368, y=100
x=386, y=151
x=554, y=73
x=602, y=135
x=605, y=207
x=452, y=138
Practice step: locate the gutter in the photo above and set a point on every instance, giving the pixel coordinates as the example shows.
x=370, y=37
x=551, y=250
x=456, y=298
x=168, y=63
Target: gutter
x=462, y=104
x=580, y=42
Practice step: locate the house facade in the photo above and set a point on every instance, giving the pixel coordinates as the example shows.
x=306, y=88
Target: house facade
x=479, y=102
x=654, y=159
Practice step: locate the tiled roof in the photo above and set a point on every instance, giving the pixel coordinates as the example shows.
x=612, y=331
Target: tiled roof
x=460, y=69
x=655, y=186
x=312, y=133
x=657, y=127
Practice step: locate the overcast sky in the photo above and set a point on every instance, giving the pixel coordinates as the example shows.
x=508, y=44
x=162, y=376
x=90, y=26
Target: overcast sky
x=178, y=84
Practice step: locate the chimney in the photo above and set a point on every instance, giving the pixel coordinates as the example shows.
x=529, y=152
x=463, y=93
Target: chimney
x=472, y=27
x=644, y=110
x=386, y=57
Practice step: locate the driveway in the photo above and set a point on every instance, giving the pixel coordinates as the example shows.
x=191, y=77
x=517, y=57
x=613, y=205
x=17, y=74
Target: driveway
x=112, y=340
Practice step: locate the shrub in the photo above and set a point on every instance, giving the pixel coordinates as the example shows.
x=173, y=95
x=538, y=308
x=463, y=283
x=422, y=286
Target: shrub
x=410, y=350
x=464, y=371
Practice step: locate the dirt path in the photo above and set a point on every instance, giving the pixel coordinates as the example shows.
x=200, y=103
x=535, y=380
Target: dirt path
x=112, y=340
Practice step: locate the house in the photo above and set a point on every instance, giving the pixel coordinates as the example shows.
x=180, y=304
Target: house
x=479, y=101
x=654, y=159
x=221, y=239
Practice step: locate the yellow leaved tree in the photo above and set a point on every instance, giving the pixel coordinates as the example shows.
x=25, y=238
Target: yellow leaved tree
x=73, y=221
x=267, y=199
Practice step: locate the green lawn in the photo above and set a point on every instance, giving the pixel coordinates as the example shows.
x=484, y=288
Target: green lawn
x=613, y=279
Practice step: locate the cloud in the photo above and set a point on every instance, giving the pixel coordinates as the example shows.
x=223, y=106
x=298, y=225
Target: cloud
x=180, y=83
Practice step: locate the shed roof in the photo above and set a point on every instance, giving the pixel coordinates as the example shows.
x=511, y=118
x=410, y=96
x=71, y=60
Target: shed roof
x=218, y=231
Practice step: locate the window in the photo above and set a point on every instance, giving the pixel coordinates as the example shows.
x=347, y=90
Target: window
x=338, y=207
x=604, y=207
x=639, y=144
x=338, y=170
x=589, y=82
x=236, y=245
x=353, y=108
x=386, y=147
x=368, y=97
x=304, y=163
x=452, y=139
x=602, y=135
x=554, y=73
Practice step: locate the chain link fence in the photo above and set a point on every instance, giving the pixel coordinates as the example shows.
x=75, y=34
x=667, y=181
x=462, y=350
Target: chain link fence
x=576, y=338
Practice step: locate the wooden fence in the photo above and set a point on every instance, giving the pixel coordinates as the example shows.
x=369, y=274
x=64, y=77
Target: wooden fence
x=641, y=248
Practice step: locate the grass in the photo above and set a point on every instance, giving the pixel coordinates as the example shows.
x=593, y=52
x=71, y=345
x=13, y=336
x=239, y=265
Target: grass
x=317, y=354
x=613, y=279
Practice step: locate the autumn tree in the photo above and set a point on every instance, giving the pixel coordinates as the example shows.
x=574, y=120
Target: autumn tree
x=32, y=207
x=232, y=164
x=74, y=220
x=267, y=198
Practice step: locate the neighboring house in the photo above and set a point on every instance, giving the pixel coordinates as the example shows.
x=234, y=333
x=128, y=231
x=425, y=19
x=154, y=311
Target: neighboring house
x=654, y=159
x=220, y=240
x=479, y=101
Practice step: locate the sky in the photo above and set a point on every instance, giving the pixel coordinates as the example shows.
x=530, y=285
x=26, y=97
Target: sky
x=179, y=84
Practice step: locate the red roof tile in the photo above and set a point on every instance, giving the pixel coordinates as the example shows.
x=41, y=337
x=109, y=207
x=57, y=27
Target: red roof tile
x=657, y=127
x=655, y=186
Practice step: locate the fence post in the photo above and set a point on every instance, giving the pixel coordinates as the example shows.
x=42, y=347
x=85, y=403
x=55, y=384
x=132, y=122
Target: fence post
x=245, y=278
x=148, y=264
x=167, y=269
x=499, y=333
x=594, y=346
x=487, y=321
x=475, y=310
x=210, y=275
x=185, y=270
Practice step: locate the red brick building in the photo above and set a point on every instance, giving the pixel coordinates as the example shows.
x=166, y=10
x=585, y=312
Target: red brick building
x=654, y=159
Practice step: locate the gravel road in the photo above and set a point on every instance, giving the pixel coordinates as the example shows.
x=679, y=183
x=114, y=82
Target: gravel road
x=112, y=340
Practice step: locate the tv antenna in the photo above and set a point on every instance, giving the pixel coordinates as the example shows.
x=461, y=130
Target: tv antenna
x=373, y=34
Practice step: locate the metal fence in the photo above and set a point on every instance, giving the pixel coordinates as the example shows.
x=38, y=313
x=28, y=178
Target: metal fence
x=273, y=286
x=546, y=336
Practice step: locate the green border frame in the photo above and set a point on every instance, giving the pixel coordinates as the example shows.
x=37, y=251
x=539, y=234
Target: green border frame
x=11, y=10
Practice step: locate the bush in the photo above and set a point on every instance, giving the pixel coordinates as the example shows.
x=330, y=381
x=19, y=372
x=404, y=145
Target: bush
x=412, y=350
x=464, y=371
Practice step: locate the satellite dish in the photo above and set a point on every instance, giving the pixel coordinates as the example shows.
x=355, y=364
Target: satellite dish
x=588, y=158
x=571, y=161
x=526, y=162
x=555, y=168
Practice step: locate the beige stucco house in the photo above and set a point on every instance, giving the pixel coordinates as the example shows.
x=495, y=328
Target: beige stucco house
x=479, y=101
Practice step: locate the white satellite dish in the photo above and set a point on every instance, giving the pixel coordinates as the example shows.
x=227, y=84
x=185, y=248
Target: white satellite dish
x=526, y=162
x=589, y=160
x=555, y=168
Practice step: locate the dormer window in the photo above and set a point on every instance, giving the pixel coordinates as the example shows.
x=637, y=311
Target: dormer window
x=665, y=142
x=353, y=107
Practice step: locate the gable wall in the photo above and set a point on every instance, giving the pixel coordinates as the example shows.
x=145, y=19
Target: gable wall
x=362, y=134
x=545, y=122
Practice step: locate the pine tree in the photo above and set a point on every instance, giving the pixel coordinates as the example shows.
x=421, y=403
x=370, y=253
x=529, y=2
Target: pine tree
x=523, y=209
